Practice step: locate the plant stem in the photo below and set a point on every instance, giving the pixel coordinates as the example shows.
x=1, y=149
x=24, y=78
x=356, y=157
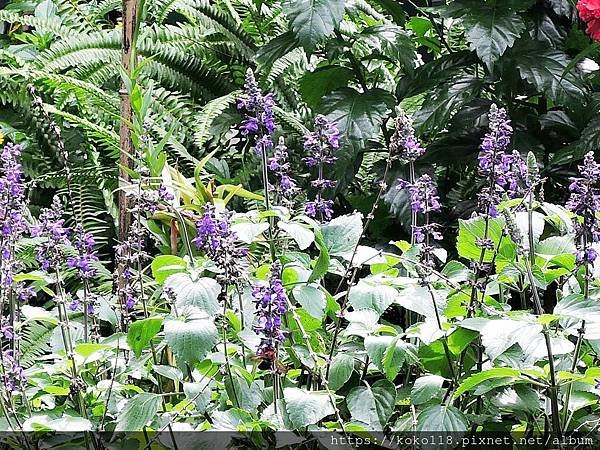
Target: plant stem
x=553, y=388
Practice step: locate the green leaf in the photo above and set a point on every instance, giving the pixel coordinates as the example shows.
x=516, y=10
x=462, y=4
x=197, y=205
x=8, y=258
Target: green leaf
x=443, y=418
x=388, y=354
x=191, y=336
x=395, y=10
x=277, y=47
x=473, y=381
x=138, y=411
x=372, y=405
x=303, y=236
x=170, y=372
x=393, y=42
x=141, y=332
x=433, y=73
x=306, y=407
x=363, y=322
x=313, y=20
x=377, y=297
x=164, y=266
x=202, y=293
x=342, y=366
x=471, y=230
x=439, y=106
x=426, y=388
x=342, y=234
x=497, y=336
x=456, y=271
x=491, y=26
x=312, y=299
x=46, y=10
x=577, y=307
x=358, y=116
x=313, y=86
x=543, y=67
x=590, y=136
x=242, y=395
x=322, y=265
x=198, y=394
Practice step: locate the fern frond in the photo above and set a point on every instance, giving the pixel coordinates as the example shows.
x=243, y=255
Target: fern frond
x=209, y=113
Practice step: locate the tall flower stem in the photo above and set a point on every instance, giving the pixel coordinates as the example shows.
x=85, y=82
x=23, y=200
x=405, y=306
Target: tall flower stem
x=553, y=389
x=227, y=362
x=323, y=380
x=265, y=179
x=63, y=318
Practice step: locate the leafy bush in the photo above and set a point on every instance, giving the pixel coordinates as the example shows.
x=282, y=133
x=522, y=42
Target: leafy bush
x=353, y=217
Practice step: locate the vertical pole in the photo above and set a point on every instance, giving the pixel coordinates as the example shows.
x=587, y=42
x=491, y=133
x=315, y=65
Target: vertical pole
x=126, y=144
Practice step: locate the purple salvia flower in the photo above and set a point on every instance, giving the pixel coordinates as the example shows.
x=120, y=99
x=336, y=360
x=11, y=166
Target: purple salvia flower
x=13, y=376
x=585, y=202
x=506, y=173
x=284, y=187
x=51, y=228
x=259, y=118
x=24, y=293
x=404, y=143
x=129, y=255
x=6, y=329
x=321, y=145
x=84, y=243
x=423, y=194
x=220, y=244
x=271, y=305
x=12, y=207
x=424, y=200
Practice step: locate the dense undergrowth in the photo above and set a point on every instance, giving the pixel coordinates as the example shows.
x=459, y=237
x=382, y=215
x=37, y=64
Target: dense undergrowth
x=368, y=218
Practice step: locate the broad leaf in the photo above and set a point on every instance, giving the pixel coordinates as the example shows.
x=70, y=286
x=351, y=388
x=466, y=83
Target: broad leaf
x=469, y=231
x=191, y=336
x=358, y=116
x=426, y=388
x=315, y=85
x=372, y=296
x=342, y=234
x=202, y=293
x=388, y=354
x=443, y=102
x=141, y=332
x=313, y=20
x=491, y=26
x=164, y=266
x=442, y=418
x=342, y=366
x=473, y=381
x=544, y=68
x=372, y=405
x=312, y=299
x=306, y=407
x=138, y=411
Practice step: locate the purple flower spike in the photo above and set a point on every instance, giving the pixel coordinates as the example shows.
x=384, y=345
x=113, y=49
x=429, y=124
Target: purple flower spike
x=259, y=118
x=321, y=145
x=585, y=202
x=403, y=142
x=423, y=194
x=285, y=187
x=84, y=243
x=220, y=244
x=54, y=235
x=506, y=172
x=12, y=207
x=271, y=304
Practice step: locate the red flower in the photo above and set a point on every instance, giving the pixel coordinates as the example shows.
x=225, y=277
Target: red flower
x=589, y=11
